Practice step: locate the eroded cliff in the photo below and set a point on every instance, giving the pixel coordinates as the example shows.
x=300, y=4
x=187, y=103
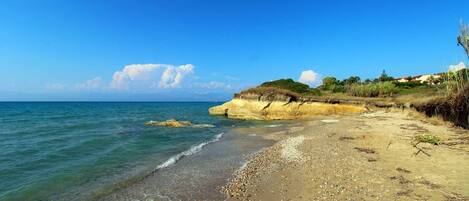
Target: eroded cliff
x=260, y=108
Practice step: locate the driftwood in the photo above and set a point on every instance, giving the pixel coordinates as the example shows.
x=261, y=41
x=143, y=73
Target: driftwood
x=420, y=150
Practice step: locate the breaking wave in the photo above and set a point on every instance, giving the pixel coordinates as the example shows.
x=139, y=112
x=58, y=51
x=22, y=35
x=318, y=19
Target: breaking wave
x=190, y=151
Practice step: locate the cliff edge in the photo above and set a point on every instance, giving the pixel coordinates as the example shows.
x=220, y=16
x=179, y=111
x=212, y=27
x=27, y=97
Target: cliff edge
x=277, y=110
x=281, y=99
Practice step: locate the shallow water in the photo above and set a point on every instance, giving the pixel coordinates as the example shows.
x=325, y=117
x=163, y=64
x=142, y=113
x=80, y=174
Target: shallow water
x=82, y=151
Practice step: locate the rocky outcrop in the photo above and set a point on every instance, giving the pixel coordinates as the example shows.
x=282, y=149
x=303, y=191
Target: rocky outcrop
x=268, y=96
x=169, y=123
x=266, y=109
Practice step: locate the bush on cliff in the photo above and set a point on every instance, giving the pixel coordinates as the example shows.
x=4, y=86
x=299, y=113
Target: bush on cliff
x=288, y=84
x=379, y=89
x=298, y=88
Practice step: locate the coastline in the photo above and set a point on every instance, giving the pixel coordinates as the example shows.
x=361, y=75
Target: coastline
x=358, y=157
x=200, y=174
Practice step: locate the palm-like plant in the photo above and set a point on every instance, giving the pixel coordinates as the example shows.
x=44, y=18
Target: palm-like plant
x=463, y=38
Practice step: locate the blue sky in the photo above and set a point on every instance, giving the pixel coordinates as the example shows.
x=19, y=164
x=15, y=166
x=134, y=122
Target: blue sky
x=206, y=50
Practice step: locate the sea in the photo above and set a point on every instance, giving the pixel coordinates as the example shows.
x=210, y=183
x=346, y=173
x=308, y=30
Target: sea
x=104, y=150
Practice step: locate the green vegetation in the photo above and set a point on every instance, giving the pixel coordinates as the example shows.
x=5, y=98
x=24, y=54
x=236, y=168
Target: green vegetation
x=290, y=85
x=383, y=86
x=328, y=82
x=453, y=82
x=428, y=138
x=352, y=80
x=270, y=90
x=384, y=77
x=379, y=89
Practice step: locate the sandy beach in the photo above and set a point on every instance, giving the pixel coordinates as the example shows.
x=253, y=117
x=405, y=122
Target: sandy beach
x=368, y=156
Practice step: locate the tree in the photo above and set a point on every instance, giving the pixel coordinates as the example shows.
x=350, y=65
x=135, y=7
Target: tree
x=352, y=80
x=463, y=38
x=329, y=81
x=384, y=77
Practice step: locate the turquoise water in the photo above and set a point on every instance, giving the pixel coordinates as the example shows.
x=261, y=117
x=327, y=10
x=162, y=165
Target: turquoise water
x=52, y=151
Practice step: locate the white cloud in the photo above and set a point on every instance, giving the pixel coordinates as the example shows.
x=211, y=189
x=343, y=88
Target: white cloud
x=92, y=84
x=309, y=77
x=457, y=67
x=172, y=76
x=167, y=76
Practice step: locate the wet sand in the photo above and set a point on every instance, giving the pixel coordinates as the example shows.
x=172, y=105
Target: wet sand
x=358, y=157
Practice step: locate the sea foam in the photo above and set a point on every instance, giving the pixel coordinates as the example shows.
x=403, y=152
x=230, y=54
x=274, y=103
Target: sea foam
x=190, y=151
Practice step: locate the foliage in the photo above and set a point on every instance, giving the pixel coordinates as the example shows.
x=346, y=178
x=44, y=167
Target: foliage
x=408, y=85
x=286, y=87
x=288, y=84
x=351, y=80
x=385, y=77
x=329, y=81
x=422, y=89
x=463, y=38
x=336, y=88
x=428, y=138
x=453, y=82
x=380, y=89
x=268, y=90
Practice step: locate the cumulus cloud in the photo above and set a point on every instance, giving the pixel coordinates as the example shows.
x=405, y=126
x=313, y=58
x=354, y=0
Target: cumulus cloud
x=161, y=75
x=309, y=77
x=457, y=67
x=172, y=76
x=91, y=84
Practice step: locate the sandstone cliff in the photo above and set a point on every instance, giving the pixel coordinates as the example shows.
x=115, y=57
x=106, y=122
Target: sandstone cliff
x=276, y=108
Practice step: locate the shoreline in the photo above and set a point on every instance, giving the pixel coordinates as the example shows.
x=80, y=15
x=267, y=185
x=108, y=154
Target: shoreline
x=200, y=175
x=358, y=157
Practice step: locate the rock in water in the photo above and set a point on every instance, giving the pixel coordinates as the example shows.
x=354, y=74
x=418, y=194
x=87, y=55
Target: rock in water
x=169, y=123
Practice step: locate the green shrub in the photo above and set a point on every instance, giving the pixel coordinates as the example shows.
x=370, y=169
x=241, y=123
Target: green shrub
x=379, y=89
x=329, y=81
x=337, y=88
x=428, y=138
x=351, y=80
x=408, y=85
x=453, y=82
x=288, y=84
